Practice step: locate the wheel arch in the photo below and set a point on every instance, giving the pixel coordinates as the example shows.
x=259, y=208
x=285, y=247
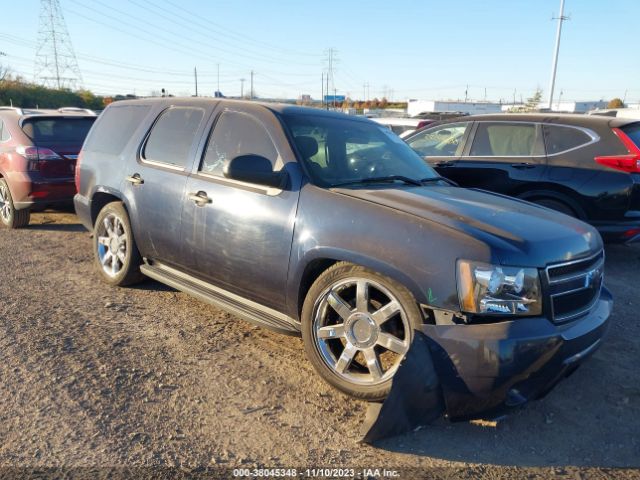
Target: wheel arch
x=315, y=262
x=100, y=199
x=557, y=195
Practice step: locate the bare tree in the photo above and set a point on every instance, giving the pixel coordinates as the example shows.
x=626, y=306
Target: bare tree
x=4, y=70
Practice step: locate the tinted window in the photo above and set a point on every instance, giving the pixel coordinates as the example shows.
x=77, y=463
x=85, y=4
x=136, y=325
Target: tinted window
x=559, y=139
x=505, y=140
x=236, y=134
x=442, y=141
x=57, y=130
x=633, y=132
x=114, y=128
x=172, y=136
x=338, y=150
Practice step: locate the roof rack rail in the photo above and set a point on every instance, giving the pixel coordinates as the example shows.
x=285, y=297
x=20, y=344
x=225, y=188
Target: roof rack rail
x=76, y=109
x=15, y=109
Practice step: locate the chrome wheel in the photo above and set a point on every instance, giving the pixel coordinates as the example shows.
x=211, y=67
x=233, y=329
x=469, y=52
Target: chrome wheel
x=6, y=206
x=361, y=331
x=112, y=245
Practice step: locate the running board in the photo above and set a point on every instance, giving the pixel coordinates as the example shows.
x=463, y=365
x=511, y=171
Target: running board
x=232, y=303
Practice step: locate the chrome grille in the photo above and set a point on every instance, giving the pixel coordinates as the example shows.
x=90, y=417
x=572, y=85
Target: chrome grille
x=574, y=287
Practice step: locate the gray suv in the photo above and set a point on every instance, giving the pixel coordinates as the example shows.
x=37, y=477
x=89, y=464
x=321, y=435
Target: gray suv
x=316, y=223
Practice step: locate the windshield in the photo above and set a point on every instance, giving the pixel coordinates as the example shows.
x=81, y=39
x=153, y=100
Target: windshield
x=341, y=151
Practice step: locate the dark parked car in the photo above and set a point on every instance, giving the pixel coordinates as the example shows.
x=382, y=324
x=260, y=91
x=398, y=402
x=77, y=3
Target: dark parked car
x=38, y=151
x=581, y=165
x=313, y=222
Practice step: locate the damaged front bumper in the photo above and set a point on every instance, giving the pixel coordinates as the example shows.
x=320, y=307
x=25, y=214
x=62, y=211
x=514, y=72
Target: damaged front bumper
x=484, y=370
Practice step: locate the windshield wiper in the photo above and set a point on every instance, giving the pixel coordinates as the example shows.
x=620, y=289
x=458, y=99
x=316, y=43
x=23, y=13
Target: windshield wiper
x=439, y=179
x=390, y=178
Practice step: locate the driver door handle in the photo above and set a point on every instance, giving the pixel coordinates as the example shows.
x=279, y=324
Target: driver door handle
x=445, y=163
x=200, y=198
x=135, y=179
x=523, y=165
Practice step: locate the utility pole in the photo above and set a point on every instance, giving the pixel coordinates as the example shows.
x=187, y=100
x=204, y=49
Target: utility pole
x=195, y=75
x=466, y=94
x=322, y=89
x=560, y=99
x=561, y=18
x=242, y=80
x=327, y=90
x=251, y=93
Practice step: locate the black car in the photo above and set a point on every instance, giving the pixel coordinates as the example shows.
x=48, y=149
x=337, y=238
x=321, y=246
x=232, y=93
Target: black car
x=584, y=166
x=329, y=226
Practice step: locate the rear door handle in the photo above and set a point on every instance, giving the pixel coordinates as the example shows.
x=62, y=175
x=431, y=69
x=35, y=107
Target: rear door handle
x=446, y=163
x=135, y=179
x=200, y=198
x=523, y=165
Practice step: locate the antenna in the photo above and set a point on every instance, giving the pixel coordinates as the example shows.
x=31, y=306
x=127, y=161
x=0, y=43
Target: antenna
x=56, y=65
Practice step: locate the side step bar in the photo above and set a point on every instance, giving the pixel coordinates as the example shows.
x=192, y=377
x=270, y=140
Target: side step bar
x=234, y=304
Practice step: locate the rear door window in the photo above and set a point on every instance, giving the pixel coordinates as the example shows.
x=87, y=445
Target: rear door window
x=441, y=141
x=173, y=135
x=115, y=127
x=506, y=140
x=236, y=134
x=48, y=131
x=559, y=139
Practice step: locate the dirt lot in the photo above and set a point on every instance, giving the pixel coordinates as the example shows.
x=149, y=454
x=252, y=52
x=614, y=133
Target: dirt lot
x=93, y=376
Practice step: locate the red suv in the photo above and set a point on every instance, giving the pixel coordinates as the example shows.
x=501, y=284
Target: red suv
x=38, y=152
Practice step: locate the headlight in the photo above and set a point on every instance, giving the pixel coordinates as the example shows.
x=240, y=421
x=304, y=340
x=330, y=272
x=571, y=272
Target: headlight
x=492, y=289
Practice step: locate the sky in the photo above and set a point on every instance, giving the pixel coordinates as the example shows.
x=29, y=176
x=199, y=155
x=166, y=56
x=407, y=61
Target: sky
x=424, y=49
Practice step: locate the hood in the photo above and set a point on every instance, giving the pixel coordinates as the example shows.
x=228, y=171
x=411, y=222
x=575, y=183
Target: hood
x=519, y=233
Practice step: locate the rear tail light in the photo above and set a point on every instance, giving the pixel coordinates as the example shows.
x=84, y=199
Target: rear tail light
x=35, y=155
x=627, y=163
x=632, y=233
x=77, y=176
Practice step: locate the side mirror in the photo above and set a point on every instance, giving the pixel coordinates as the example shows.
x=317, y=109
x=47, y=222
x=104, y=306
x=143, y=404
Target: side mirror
x=255, y=169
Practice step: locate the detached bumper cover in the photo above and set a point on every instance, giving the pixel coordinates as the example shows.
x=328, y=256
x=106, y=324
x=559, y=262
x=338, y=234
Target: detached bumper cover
x=486, y=369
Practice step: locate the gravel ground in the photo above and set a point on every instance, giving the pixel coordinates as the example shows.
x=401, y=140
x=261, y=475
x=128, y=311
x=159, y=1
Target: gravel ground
x=97, y=379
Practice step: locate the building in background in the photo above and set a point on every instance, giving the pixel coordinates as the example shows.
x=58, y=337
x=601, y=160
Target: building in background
x=416, y=107
x=578, y=107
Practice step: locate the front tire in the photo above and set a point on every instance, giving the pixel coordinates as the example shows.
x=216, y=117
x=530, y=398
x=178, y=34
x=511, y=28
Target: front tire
x=116, y=255
x=357, y=325
x=9, y=216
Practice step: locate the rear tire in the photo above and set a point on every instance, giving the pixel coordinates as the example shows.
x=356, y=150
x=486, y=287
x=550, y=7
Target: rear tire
x=556, y=205
x=357, y=326
x=9, y=216
x=117, y=258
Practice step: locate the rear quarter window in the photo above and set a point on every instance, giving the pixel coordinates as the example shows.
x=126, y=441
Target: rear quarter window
x=633, y=132
x=559, y=139
x=114, y=128
x=173, y=135
x=4, y=132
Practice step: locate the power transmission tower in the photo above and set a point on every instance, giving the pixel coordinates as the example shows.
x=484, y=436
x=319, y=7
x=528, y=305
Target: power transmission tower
x=331, y=61
x=56, y=65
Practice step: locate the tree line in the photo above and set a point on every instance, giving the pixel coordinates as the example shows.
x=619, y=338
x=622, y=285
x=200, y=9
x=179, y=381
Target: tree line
x=17, y=92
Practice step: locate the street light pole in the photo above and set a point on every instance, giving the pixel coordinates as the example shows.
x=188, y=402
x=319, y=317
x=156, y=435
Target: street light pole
x=561, y=18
